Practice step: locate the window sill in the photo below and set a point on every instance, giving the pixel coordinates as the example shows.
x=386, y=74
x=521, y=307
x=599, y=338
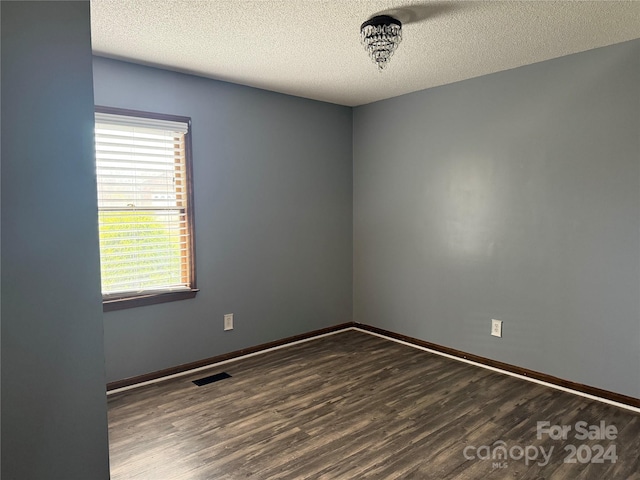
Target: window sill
x=112, y=304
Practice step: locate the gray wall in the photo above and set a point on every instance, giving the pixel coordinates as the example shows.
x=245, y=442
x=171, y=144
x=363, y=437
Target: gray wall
x=54, y=423
x=512, y=196
x=273, y=206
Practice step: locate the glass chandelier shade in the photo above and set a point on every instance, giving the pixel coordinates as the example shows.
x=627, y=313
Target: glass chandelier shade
x=380, y=36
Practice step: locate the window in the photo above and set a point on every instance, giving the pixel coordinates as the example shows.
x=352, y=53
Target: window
x=145, y=207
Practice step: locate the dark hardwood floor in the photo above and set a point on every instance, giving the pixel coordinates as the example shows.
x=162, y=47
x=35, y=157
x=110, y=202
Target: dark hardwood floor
x=351, y=406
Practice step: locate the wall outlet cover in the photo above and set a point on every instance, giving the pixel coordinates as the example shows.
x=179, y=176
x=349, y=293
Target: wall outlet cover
x=496, y=327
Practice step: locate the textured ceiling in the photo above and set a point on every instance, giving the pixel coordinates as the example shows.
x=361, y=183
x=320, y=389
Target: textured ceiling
x=311, y=48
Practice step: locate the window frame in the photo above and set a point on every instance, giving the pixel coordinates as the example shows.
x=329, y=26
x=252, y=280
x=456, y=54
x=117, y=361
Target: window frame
x=119, y=302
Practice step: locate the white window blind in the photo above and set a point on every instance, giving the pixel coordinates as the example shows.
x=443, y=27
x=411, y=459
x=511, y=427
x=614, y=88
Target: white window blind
x=143, y=205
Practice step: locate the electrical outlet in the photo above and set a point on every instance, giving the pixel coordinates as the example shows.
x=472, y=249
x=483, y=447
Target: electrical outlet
x=228, y=321
x=496, y=327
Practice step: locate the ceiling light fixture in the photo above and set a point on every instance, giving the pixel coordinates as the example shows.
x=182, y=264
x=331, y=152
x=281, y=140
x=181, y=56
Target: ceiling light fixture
x=380, y=36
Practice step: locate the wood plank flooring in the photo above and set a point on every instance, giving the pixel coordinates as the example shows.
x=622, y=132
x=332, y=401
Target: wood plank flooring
x=356, y=406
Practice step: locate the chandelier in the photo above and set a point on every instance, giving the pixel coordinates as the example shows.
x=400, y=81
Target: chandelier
x=380, y=36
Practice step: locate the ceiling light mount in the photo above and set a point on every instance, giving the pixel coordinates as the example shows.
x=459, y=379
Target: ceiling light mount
x=380, y=36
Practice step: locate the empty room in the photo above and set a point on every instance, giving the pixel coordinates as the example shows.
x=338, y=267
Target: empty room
x=320, y=239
